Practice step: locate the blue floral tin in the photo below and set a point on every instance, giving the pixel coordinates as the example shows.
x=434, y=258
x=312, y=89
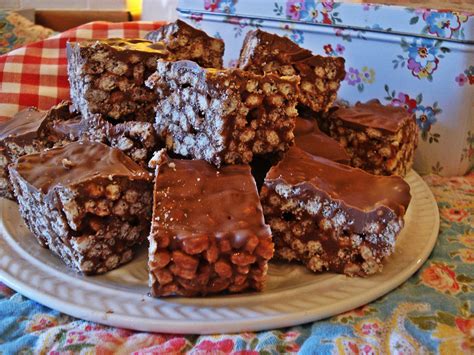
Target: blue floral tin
x=422, y=59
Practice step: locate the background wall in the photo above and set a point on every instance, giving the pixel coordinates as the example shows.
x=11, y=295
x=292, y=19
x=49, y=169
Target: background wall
x=159, y=10
x=65, y=4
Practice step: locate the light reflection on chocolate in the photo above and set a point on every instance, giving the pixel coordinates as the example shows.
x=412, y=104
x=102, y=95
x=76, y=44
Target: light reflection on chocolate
x=309, y=138
x=192, y=197
x=362, y=195
x=75, y=162
x=373, y=114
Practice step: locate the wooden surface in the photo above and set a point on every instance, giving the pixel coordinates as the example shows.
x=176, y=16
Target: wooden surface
x=61, y=20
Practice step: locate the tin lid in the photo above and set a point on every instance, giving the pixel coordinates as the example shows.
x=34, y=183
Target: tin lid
x=446, y=24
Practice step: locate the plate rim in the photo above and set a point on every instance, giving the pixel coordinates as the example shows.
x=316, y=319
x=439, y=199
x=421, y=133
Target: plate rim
x=212, y=326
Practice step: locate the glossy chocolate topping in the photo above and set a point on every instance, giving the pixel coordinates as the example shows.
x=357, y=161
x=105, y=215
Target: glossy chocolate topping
x=353, y=187
x=192, y=197
x=70, y=129
x=175, y=28
x=374, y=115
x=280, y=48
x=123, y=48
x=25, y=124
x=304, y=126
x=74, y=163
x=64, y=123
x=309, y=138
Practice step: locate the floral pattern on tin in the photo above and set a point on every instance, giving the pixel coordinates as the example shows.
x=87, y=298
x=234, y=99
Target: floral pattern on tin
x=225, y=6
x=466, y=78
x=369, y=6
x=196, y=19
x=360, y=78
x=426, y=115
x=377, y=27
x=311, y=11
x=441, y=23
x=348, y=35
x=241, y=24
x=437, y=169
x=336, y=51
x=294, y=8
x=295, y=35
x=422, y=57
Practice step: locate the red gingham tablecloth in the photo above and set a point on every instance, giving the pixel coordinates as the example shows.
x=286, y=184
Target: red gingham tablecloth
x=36, y=75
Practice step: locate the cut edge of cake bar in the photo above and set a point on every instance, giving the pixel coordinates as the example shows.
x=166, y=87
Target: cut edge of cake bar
x=332, y=217
x=88, y=203
x=380, y=139
x=264, y=52
x=223, y=116
x=31, y=131
x=187, y=42
x=107, y=77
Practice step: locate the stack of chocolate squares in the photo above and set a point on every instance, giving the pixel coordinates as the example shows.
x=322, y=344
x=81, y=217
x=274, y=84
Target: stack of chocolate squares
x=208, y=228
x=31, y=131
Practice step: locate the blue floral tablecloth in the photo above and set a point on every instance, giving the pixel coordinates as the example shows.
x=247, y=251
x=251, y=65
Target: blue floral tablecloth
x=431, y=312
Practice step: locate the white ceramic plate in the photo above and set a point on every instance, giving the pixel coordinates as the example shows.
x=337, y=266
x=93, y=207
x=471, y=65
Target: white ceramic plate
x=292, y=296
